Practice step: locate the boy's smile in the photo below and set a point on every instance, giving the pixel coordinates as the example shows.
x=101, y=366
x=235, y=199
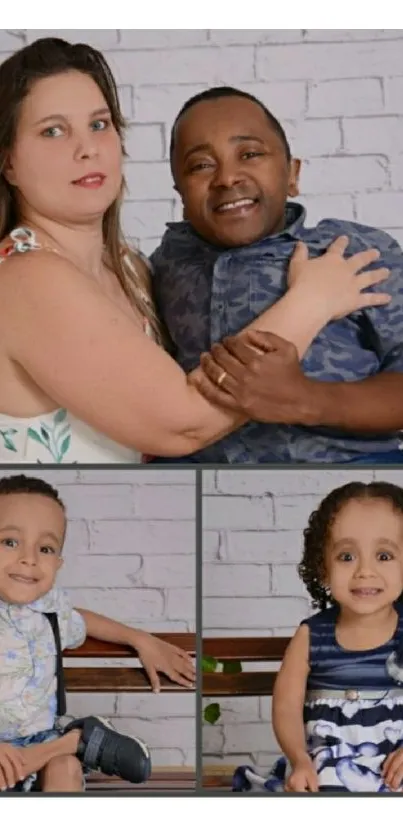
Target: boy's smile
x=20, y=578
x=32, y=531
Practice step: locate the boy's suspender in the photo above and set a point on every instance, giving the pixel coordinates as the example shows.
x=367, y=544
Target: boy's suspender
x=60, y=689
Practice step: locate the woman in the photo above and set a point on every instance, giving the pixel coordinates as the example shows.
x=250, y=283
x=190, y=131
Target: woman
x=81, y=378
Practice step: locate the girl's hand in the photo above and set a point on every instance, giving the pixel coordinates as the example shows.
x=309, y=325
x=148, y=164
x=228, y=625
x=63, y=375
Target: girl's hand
x=392, y=770
x=11, y=766
x=332, y=282
x=303, y=777
x=158, y=656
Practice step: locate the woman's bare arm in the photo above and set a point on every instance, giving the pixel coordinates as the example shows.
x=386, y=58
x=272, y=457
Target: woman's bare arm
x=87, y=355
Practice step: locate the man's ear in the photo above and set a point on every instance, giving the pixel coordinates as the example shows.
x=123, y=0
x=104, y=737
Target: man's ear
x=293, y=177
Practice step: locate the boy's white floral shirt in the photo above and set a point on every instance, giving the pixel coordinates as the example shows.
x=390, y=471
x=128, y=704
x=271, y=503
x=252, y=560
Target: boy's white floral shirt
x=28, y=662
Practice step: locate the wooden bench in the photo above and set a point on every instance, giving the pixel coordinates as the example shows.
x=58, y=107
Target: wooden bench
x=247, y=683
x=131, y=679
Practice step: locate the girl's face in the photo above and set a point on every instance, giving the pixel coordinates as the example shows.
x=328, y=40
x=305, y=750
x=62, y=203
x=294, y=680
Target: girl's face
x=364, y=556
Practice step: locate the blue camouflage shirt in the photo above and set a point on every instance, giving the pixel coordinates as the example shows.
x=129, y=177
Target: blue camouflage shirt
x=205, y=293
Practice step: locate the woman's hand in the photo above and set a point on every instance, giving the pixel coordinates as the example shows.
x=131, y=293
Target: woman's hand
x=332, y=282
x=258, y=374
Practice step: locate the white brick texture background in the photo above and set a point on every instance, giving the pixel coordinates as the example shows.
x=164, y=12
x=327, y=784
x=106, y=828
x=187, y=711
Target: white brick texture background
x=252, y=541
x=338, y=92
x=130, y=555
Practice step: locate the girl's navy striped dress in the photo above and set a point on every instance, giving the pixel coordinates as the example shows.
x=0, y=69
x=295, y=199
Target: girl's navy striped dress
x=353, y=712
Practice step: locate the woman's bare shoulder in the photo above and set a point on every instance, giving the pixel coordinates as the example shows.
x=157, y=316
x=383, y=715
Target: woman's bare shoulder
x=37, y=270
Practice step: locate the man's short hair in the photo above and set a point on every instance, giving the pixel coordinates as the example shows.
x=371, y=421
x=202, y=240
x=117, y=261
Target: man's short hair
x=224, y=92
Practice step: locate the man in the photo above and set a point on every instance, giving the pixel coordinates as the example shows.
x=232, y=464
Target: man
x=227, y=262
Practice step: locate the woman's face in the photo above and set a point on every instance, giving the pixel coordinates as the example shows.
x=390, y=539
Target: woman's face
x=66, y=162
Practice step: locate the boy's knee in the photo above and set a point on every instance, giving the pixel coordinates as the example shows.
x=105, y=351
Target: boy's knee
x=66, y=765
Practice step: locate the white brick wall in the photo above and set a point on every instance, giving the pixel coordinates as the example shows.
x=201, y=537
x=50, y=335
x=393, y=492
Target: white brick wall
x=252, y=539
x=130, y=555
x=339, y=92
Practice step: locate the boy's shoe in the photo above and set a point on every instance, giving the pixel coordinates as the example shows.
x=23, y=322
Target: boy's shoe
x=101, y=748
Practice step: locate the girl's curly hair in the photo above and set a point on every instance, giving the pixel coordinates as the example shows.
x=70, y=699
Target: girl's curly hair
x=312, y=566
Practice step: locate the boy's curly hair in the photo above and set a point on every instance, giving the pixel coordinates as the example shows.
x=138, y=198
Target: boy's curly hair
x=312, y=566
x=24, y=484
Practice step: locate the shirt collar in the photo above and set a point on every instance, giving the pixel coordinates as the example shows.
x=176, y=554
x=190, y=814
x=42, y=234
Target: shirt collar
x=43, y=604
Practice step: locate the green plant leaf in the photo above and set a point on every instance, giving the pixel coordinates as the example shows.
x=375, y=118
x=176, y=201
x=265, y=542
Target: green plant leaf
x=65, y=445
x=34, y=435
x=212, y=713
x=209, y=664
x=45, y=433
x=8, y=443
x=232, y=667
x=60, y=416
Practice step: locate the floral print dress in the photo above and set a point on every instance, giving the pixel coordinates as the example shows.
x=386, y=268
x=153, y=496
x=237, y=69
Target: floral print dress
x=56, y=437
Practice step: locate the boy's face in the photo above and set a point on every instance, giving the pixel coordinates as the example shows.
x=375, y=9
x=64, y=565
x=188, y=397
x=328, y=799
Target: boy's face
x=364, y=556
x=32, y=529
x=232, y=172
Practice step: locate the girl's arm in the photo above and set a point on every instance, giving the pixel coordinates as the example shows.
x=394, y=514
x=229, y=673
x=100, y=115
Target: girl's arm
x=289, y=696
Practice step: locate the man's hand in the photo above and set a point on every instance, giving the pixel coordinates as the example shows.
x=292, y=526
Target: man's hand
x=303, y=777
x=392, y=770
x=263, y=378
x=158, y=656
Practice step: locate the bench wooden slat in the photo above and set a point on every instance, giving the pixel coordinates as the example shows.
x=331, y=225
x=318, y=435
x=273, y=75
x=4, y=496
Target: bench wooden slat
x=162, y=778
x=217, y=781
x=92, y=648
x=238, y=684
x=114, y=680
x=245, y=649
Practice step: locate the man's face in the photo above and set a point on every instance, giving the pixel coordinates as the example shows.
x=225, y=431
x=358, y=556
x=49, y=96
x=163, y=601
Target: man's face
x=232, y=173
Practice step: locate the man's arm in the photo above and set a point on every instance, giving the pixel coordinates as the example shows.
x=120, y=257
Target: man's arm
x=374, y=405
x=272, y=388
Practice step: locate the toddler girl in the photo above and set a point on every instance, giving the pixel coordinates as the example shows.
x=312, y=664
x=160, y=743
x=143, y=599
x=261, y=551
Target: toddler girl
x=338, y=697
